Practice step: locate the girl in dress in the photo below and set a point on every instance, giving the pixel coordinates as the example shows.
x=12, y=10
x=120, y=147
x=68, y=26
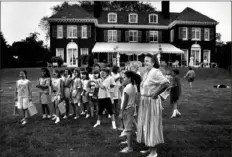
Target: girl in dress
x=175, y=92
x=76, y=93
x=44, y=86
x=84, y=95
x=57, y=95
x=67, y=82
x=23, y=94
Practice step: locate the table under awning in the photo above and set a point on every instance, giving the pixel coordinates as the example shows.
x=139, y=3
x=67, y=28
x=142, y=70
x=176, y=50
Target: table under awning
x=135, y=48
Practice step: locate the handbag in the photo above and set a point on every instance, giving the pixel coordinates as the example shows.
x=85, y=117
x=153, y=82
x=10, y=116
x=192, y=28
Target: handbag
x=16, y=109
x=32, y=109
x=61, y=107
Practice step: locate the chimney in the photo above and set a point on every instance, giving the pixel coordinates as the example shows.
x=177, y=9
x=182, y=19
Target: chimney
x=97, y=8
x=165, y=9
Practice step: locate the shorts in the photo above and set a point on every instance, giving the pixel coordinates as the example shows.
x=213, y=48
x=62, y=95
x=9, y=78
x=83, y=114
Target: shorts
x=105, y=103
x=190, y=79
x=128, y=117
x=23, y=102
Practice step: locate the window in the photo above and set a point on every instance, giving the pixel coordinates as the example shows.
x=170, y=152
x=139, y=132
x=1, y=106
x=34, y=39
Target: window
x=153, y=35
x=184, y=57
x=59, y=31
x=84, y=32
x=196, y=33
x=72, y=32
x=112, y=18
x=133, y=18
x=112, y=35
x=172, y=35
x=133, y=36
x=153, y=18
x=185, y=33
x=84, y=51
x=60, y=53
x=206, y=34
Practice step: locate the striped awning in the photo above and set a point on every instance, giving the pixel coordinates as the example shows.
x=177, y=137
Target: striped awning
x=135, y=48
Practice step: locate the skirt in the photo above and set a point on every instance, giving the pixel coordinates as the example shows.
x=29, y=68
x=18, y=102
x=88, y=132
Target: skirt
x=45, y=98
x=150, y=127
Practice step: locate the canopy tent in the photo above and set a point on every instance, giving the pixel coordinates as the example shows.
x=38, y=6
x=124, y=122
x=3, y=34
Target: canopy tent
x=135, y=48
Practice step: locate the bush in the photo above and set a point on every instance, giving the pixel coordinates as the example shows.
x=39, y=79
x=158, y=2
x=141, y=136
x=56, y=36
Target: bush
x=58, y=60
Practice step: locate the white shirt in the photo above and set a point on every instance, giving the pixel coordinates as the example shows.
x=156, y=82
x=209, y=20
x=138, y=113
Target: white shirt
x=115, y=90
x=23, y=87
x=131, y=91
x=105, y=92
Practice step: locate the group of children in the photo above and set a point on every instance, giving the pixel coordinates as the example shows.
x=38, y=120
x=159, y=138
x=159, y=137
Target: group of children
x=91, y=93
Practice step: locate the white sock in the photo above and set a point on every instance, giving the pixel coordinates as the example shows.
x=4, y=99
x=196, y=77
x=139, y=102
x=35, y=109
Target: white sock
x=113, y=124
x=98, y=122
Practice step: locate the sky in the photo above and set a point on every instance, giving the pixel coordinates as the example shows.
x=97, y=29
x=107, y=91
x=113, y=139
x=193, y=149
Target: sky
x=19, y=19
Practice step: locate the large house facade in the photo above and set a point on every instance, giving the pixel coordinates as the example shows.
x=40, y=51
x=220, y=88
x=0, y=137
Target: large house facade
x=76, y=33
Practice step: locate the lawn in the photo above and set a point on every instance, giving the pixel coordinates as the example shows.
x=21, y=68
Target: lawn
x=204, y=130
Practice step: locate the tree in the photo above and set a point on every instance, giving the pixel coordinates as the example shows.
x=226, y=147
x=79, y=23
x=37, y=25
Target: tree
x=7, y=59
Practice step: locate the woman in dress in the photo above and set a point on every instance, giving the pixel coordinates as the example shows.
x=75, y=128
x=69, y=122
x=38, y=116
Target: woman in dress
x=191, y=61
x=150, y=128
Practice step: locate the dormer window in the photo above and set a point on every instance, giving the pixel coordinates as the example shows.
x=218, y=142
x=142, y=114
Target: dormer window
x=153, y=18
x=133, y=18
x=112, y=18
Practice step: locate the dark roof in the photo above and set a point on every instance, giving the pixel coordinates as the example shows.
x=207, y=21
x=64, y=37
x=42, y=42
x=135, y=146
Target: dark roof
x=143, y=18
x=188, y=14
x=73, y=11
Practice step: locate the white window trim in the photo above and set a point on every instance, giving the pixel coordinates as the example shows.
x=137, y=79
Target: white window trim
x=108, y=32
x=156, y=32
x=61, y=31
x=61, y=49
x=206, y=29
x=82, y=32
x=136, y=21
x=72, y=28
x=84, y=49
x=136, y=37
x=209, y=61
x=115, y=20
x=172, y=35
x=156, y=18
x=197, y=29
x=186, y=33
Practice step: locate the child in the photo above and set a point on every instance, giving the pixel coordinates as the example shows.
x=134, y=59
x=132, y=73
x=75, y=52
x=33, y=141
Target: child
x=76, y=93
x=93, y=92
x=191, y=76
x=128, y=107
x=84, y=94
x=23, y=94
x=45, y=92
x=57, y=95
x=67, y=80
x=104, y=98
x=175, y=92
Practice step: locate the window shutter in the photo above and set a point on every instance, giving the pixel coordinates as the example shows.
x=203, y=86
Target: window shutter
x=202, y=34
x=180, y=33
x=105, y=35
x=126, y=35
x=140, y=36
x=119, y=35
x=64, y=31
x=211, y=31
x=159, y=36
x=190, y=33
x=147, y=36
x=89, y=31
x=78, y=31
x=54, y=31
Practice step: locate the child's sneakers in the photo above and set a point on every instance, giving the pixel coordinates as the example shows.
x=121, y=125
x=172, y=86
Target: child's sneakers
x=97, y=124
x=114, y=125
x=109, y=116
x=54, y=118
x=87, y=116
x=123, y=134
x=126, y=150
x=76, y=117
x=65, y=117
x=57, y=120
x=44, y=116
x=49, y=116
x=24, y=122
x=82, y=113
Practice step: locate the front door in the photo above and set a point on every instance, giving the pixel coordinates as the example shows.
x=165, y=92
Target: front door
x=197, y=57
x=72, y=57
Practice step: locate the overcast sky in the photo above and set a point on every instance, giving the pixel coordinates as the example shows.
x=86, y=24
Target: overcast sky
x=18, y=19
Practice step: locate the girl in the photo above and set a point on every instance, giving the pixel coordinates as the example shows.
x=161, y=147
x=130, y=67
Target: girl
x=67, y=80
x=128, y=107
x=57, y=95
x=104, y=97
x=84, y=94
x=76, y=93
x=93, y=92
x=116, y=94
x=175, y=92
x=23, y=94
x=44, y=85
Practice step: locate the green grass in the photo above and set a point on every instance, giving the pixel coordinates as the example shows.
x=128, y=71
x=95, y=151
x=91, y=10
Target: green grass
x=204, y=129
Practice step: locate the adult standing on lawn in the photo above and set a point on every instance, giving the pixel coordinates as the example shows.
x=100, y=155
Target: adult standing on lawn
x=150, y=128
